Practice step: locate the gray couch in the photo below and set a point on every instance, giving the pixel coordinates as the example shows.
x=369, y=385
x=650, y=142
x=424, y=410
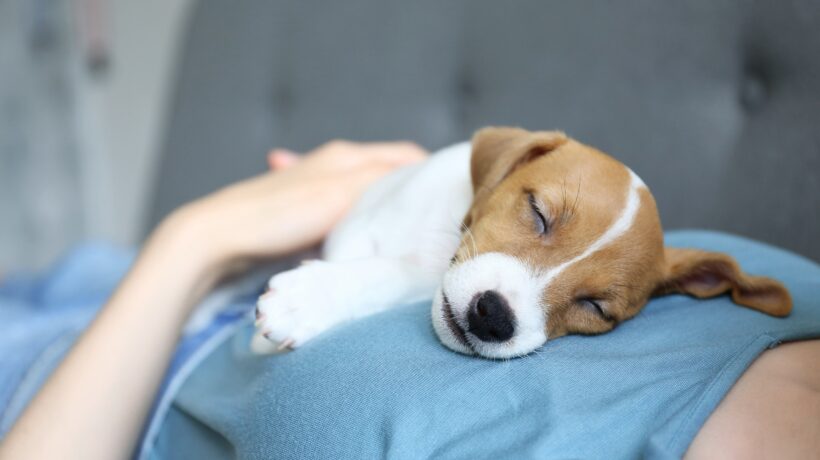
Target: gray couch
x=716, y=104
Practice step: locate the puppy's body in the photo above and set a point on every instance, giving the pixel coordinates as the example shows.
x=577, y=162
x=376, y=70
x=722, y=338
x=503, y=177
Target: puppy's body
x=412, y=213
x=551, y=237
x=392, y=248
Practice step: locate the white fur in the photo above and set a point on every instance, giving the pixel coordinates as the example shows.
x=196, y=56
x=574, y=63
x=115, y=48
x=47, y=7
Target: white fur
x=415, y=211
x=511, y=278
x=393, y=248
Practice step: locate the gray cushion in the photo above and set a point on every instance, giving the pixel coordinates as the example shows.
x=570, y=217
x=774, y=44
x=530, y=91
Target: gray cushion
x=715, y=104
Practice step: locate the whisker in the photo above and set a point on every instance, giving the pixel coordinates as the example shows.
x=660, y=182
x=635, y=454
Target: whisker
x=577, y=197
x=472, y=239
x=473, y=245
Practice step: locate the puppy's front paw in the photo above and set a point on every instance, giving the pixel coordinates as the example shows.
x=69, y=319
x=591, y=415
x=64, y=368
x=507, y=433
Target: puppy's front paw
x=302, y=303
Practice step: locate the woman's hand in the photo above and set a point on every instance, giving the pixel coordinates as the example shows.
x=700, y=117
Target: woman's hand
x=291, y=208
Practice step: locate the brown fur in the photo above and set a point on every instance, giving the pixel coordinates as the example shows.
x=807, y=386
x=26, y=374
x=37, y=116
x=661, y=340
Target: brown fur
x=582, y=191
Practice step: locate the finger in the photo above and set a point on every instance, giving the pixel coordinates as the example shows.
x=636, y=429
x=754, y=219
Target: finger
x=282, y=159
x=400, y=153
x=364, y=176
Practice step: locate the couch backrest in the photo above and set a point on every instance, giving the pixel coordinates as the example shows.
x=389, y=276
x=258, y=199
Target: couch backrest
x=715, y=104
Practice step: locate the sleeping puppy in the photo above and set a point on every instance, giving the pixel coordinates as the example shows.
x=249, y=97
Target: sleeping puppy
x=518, y=237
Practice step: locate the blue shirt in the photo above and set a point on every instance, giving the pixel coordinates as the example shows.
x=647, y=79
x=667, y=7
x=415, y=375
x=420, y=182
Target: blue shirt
x=383, y=387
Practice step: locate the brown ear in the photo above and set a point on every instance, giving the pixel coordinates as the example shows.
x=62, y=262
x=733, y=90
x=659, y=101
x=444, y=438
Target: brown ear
x=707, y=274
x=498, y=151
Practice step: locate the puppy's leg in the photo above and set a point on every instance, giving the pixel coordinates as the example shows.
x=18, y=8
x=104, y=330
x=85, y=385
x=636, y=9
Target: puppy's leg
x=308, y=300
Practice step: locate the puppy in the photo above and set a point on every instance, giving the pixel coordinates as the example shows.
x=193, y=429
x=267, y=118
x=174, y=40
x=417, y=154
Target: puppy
x=519, y=237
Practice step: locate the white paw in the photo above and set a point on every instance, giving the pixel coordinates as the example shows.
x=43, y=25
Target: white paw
x=304, y=302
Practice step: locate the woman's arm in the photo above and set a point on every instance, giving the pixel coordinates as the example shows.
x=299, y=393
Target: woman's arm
x=773, y=411
x=95, y=403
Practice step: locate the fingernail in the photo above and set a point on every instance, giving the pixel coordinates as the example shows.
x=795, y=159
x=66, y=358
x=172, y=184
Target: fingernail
x=260, y=319
x=281, y=158
x=285, y=344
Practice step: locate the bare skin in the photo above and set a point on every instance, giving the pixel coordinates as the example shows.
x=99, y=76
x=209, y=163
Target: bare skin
x=772, y=412
x=107, y=382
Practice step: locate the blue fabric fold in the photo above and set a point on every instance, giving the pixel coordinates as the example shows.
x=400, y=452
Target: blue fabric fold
x=42, y=315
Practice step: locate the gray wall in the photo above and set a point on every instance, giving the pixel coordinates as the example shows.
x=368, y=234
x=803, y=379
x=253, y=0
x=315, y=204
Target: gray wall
x=716, y=104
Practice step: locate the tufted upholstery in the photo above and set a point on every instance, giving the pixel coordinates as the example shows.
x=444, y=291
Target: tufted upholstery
x=715, y=104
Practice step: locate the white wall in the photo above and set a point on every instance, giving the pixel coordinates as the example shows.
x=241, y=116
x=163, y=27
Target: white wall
x=78, y=147
x=123, y=113
x=40, y=206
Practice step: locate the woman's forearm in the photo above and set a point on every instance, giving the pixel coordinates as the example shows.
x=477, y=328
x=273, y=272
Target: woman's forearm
x=95, y=403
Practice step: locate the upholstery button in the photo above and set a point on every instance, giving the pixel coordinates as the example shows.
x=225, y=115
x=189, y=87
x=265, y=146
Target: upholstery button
x=754, y=90
x=467, y=88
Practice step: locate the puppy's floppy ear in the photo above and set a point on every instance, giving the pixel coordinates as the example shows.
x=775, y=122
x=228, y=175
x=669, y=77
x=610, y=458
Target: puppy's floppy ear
x=498, y=151
x=707, y=274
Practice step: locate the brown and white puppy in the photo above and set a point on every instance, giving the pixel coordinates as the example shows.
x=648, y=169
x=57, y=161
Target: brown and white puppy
x=559, y=238
x=563, y=239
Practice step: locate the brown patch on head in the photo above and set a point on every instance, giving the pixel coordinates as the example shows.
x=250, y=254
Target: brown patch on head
x=520, y=177
x=545, y=199
x=614, y=283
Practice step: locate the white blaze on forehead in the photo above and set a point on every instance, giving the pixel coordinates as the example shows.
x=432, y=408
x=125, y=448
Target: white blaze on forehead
x=618, y=228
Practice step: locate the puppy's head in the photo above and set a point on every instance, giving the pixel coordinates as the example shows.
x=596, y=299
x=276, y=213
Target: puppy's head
x=563, y=239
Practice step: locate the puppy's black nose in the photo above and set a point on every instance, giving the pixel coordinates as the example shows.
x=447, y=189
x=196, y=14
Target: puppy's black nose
x=490, y=318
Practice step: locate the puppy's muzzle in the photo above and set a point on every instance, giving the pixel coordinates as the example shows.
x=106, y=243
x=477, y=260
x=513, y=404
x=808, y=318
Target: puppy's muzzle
x=490, y=318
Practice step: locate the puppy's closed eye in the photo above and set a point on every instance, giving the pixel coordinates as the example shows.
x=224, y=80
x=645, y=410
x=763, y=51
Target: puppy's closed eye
x=595, y=306
x=542, y=223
